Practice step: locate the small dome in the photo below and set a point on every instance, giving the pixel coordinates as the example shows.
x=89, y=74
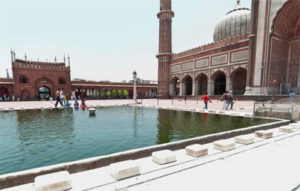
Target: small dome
x=235, y=23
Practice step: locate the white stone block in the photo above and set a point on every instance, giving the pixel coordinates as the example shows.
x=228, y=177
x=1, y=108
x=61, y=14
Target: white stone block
x=163, y=157
x=265, y=134
x=245, y=139
x=92, y=111
x=124, y=169
x=121, y=186
x=224, y=145
x=196, y=150
x=295, y=125
x=57, y=181
x=286, y=129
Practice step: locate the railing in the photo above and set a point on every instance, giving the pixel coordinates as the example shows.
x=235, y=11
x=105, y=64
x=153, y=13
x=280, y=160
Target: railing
x=286, y=110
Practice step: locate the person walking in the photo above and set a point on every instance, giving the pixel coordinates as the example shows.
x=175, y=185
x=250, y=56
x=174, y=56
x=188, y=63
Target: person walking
x=61, y=95
x=58, y=98
x=230, y=100
x=224, y=98
x=292, y=96
x=206, y=99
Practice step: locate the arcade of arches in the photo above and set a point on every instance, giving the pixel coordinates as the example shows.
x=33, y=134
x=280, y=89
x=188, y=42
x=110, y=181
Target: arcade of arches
x=217, y=84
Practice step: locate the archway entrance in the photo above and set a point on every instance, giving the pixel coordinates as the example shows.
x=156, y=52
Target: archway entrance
x=174, y=86
x=3, y=93
x=220, y=83
x=188, y=83
x=238, y=79
x=202, y=84
x=285, y=52
x=44, y=93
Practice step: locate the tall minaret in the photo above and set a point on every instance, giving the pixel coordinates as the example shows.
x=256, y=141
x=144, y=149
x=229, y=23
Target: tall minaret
x=165, y=47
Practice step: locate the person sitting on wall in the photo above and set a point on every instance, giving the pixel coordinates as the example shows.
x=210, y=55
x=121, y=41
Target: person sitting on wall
x=83, y=105
x=76, y=104
x=66, y=101
x=58, y=98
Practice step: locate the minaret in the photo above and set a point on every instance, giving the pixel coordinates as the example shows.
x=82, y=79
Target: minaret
x=165, y=47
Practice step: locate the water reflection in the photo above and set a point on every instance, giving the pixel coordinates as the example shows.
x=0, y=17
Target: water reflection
x=179, y=125
x=42, y=134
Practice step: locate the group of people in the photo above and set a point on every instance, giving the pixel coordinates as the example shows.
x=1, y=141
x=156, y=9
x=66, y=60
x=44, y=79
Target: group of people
x=226, y=97
x=63, y=99
x=228, y=100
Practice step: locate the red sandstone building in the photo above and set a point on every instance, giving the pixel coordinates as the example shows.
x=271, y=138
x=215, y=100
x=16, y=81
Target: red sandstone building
x=253, y=52
x=34, y=80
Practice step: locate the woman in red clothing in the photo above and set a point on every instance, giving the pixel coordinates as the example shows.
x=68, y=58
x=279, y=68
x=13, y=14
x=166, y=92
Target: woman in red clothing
x=205, y=99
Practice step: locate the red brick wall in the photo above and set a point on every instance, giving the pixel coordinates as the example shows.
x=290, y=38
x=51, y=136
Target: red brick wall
x=38, y=75
x=278, y=62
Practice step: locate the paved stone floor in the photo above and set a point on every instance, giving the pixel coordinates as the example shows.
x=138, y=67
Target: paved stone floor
x=239, y=106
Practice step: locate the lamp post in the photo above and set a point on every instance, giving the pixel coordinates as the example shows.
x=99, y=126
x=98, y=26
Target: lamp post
x=273, y=97
x=134, y=74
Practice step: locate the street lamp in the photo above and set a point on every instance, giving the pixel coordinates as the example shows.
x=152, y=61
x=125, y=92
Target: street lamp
x=273, y=97
x=134, y=74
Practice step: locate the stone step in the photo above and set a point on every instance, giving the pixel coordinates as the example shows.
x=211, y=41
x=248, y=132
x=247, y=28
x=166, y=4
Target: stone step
x=57, y=181
x=124, y=169
x=265, y=134
x=196, y=150
x=224, y=145
x=163, y=157
x=286, y=129
x=245, y=139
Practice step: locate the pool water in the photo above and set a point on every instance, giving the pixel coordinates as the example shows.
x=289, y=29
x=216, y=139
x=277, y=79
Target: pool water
x=35, y=138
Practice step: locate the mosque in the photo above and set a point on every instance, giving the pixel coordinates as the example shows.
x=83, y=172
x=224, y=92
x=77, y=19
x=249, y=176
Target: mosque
x=254, y=53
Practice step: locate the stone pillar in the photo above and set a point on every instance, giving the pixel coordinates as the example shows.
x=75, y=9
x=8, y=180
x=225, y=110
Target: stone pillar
x=195, y=87
x=228, y=84
x=182, y=89
x=172, y=89
x=210, y=87
x=252, y=46
x=298, y=82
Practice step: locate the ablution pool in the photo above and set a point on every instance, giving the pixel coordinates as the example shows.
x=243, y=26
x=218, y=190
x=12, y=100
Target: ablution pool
x=36, y=138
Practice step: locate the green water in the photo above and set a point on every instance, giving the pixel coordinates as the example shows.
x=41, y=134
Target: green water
x=36, y=138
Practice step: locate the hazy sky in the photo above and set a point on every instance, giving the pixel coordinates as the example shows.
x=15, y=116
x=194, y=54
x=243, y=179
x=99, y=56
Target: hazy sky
x=106, y=40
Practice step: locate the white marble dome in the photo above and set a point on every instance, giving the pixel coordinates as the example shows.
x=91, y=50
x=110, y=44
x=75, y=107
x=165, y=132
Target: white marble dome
x=235, y=23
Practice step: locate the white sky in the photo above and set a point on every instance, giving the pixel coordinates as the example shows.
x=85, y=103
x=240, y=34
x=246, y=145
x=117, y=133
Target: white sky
x=106, y=40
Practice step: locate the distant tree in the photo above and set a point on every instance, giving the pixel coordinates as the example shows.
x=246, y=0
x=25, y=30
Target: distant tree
x=113, y=93
x=120, y=95
x=108, y=94
x=125, y=93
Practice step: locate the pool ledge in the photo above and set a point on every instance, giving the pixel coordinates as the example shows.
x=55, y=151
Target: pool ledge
x=23, y=177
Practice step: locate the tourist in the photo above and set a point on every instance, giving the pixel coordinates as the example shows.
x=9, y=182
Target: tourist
x=76, y=104
x=224, y=98
x=66, y=101
x=83, y=105
x=61, y=95
x=58, y=98
x=205, y=99
x=292, y=96
x=230, y=100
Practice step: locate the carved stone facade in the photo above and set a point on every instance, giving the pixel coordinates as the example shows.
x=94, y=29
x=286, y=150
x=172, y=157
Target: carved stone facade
x=252, y=63
x=40, y=80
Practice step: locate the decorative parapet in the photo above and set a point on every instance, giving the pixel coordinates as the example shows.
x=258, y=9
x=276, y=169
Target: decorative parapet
x=224, y=44
x=18, y=63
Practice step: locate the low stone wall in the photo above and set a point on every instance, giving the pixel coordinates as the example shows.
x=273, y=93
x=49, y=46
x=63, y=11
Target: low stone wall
x=23, y=177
